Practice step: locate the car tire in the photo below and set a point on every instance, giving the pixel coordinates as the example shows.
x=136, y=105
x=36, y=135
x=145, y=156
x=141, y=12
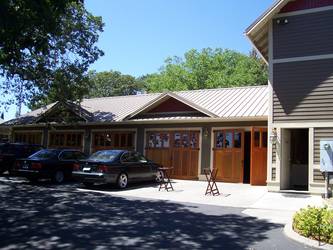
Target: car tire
x=122, y=181
x=159, y=176
x=88, y=184
x=59, y=177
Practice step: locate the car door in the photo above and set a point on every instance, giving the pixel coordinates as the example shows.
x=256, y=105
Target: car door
x=66, y=160
x=146, y=169
x=134, y=169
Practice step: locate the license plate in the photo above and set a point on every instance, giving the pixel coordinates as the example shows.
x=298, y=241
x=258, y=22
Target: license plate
x=25, y=166
x=86, y=169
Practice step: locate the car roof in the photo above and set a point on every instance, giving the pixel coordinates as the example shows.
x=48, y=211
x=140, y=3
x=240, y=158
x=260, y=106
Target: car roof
x=114, y=150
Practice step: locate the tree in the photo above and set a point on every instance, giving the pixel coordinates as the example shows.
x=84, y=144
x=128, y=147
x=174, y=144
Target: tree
x=113, y=83
x=46, y=47
x=209, y=68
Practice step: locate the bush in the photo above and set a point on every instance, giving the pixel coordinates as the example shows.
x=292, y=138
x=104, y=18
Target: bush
x=315, y=223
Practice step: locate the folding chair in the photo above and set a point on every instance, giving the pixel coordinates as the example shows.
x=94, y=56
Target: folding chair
x=165, y=182
x=212, y=188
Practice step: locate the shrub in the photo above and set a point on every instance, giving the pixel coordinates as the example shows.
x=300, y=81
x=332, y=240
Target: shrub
x=315, y=223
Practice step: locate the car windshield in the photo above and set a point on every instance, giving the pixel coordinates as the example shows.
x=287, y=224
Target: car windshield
x=104, y=156
x=44, y=154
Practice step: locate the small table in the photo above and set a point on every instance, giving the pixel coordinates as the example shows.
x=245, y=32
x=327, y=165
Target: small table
x=165, y=182
x=212, y=188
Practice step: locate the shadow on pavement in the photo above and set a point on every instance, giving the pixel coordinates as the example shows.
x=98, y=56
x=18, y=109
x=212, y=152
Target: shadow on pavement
x=37, y=216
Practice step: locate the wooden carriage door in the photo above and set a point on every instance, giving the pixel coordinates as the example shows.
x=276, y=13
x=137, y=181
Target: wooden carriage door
x=158, y=147
x=259, y=142
x=228, y=154
x=185, y=154
x=177, y=149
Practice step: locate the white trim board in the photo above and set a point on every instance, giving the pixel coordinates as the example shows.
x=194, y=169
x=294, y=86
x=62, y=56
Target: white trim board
x=303, y=58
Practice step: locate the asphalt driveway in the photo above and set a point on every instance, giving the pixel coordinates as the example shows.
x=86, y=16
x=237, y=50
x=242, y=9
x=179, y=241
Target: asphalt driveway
x=47, y=216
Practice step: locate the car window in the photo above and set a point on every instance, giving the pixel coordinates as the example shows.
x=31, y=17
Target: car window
x=44, y=154
x=79, y=155
x=104, y=156
x=67, y=155
x=133, y=157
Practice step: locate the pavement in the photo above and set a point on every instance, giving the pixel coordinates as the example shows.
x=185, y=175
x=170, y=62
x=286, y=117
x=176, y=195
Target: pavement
x=48, y=216
x=256, y=200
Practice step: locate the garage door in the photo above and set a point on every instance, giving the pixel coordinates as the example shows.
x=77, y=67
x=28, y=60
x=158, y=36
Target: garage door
x=179, y=149
x=259, y=156
x=113, y=140
x=228, y=156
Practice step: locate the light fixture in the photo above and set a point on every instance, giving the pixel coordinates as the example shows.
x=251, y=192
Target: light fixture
x=273, y=136
x=206, y=132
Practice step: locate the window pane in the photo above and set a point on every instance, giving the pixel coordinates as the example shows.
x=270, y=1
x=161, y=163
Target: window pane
x=129, y=140
x=238, y=139
x=264, y=139
x=194, y=140
x=185, y=140
x=165, y=140
x=177, y=140
x=256, y=139
x=151, y=141
x=116, y=140
x=228, y=139
x=219, y=140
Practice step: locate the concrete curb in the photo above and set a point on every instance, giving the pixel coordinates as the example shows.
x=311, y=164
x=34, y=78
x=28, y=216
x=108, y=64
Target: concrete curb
x=290, y=233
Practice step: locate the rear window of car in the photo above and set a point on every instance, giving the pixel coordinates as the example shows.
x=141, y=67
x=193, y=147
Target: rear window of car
x=104, y=156
x=44, y=154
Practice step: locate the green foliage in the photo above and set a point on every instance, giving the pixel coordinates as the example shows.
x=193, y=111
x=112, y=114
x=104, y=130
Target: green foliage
x=315, y=223
x=113, y=83
x=46, y=48
x=209, y=68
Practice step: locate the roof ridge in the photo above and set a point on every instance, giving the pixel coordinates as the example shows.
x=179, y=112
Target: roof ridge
x=120, y=96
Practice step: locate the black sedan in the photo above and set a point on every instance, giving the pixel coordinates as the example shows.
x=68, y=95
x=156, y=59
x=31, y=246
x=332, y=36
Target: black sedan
x=116, y=167
x=56, y=164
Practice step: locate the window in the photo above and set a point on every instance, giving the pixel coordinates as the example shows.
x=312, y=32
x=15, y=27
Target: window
x=113, y=140
x=181, y=139
x=257, y=139
x=237, y=139
x=66, y=139
x=219, y=139
x=28, y=137
x=194, y=140
x=264, y=139
x=158, y=140
x=228, y=139
x=67, y=155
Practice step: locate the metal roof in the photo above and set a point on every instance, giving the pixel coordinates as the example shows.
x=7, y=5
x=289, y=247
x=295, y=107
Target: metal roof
x=223, y=103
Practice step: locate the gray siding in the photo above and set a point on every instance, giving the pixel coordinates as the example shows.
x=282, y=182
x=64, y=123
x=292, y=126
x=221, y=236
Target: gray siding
x=303, y=35
x=303, y=91
x=320, y=133
x=318, y=176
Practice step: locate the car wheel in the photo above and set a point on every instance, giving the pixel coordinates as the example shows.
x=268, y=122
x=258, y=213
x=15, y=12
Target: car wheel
x=159, y=176
x=59, y=176
x=88, y=184
x=122, y=181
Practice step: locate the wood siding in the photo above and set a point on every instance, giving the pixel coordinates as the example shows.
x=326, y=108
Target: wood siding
x=303, y=35
x=320, y=133
x=305, y=4
x=303, y=91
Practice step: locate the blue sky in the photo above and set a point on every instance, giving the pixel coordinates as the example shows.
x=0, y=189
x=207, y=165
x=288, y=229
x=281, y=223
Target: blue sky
x=140, y=34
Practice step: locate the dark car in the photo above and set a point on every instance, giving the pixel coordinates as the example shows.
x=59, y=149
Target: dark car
x=116, y=167
x=56, y=164
x=10, y=152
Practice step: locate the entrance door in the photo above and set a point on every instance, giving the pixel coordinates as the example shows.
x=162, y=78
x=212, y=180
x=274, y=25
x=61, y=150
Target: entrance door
x=228, y=156
x=259, y=142
x=179, y=149
x=295, y=155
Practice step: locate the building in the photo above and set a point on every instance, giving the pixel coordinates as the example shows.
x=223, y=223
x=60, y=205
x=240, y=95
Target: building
x=222, y=128
x=296, y=40
x=189, y=130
